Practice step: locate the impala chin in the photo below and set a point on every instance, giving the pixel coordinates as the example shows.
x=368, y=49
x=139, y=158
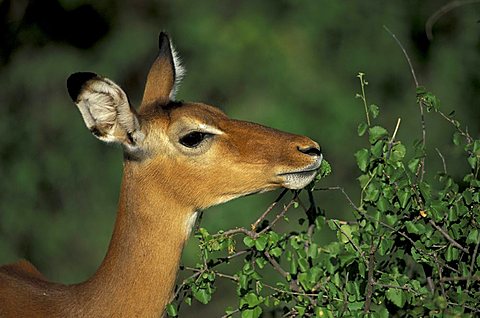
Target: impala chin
x=299, y=179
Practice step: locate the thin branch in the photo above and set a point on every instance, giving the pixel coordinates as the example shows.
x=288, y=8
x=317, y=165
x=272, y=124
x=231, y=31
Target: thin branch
x=457, y=127
x=395, y=131
x=459, y=278
x=448, y=237
x=269, y=209
x=392, y=140
x=370, y=282
x=278, y=217
x=431, y=284
x=276, y=266
x=404, y=287
x=223, y=260
x=338, y=188
x=235, y=231
x=440, y=275
x=184, y=282
x=441, y=12
x=404, y=53
x=443, y=160
x=231, y=314
x=359, y=251
x=472, y=263
x=420, y=104
x=468, y=307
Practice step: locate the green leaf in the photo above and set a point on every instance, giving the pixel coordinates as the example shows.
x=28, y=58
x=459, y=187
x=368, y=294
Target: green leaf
x=293, y=266
x=457, y=137
x=372, y=193
x=403, y=197
x=202, y=295
x=391, y=219
x=441, y=302
x=452, y=253
x=171, y=310
x=363, y=180
x=277, y=251
x=476, y=147
x=355, y=306
x=303, y=264
x=331, y=224
x=411, y=228
x=376, y=133
x=345, y=233
x=473, y=236
x=396, y=296
x=362, y=159
x=374, y=110
x=252, y=313
x=382, y=204
x=413, y=165
x=249, y=242
x=261, y=242
x=325, y=169
x=261, y=262
x=312, y=251
x=467, y=196
x=427, y=99
x=398, y=152
x=362, y=129
x=377, y=149
x=251, y=299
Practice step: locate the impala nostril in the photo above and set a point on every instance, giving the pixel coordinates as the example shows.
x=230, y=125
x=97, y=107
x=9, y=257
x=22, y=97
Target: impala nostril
x=311, y=151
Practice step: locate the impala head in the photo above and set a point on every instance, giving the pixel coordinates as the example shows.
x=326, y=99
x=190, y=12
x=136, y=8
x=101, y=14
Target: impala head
x=192, y=151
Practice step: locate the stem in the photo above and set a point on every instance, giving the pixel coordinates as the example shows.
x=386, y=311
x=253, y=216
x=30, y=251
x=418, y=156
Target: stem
x=363, y=96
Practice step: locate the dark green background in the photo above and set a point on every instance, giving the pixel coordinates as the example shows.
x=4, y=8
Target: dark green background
x=287, y=64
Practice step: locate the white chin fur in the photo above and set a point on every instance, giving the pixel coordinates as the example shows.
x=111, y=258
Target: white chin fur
x=190, y=222
x=299, y=180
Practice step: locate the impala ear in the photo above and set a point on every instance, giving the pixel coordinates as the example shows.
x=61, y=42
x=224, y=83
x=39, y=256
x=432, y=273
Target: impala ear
x=164, y=76
x=105, y=109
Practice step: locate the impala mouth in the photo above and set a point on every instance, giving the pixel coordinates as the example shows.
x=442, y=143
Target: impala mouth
x=298, y=179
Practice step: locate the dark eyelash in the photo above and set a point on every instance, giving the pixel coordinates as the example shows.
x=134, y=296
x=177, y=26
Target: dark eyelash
x=193, y=139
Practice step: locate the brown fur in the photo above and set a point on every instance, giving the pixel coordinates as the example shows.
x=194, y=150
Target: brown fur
x=163, y=184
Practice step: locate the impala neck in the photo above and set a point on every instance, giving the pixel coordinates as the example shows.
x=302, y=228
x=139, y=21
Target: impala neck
x=138, y=274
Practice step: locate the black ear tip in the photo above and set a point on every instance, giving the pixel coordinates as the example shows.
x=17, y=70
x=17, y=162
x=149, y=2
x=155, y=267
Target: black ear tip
x=76, y=81
x=162, y=40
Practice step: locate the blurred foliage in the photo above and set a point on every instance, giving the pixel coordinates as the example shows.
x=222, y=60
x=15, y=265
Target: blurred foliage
x=286, y=64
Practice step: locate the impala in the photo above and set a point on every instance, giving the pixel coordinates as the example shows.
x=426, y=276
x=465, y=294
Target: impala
x=179, y=158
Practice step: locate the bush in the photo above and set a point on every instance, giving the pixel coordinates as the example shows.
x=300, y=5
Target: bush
x=409, y=250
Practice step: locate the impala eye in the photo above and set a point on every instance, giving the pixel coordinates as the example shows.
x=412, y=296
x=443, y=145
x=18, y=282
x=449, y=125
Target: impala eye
x=193, y=139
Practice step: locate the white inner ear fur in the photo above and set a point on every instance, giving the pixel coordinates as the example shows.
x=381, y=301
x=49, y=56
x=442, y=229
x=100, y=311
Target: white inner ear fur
x=104, y=107
x=179, y=72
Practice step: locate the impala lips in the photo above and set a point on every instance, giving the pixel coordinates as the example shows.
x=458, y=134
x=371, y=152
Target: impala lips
x=298, y=179
x=310, y=168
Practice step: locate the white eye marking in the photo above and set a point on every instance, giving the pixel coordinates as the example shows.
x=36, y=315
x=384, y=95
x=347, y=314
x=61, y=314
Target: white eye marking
x=209, y=129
